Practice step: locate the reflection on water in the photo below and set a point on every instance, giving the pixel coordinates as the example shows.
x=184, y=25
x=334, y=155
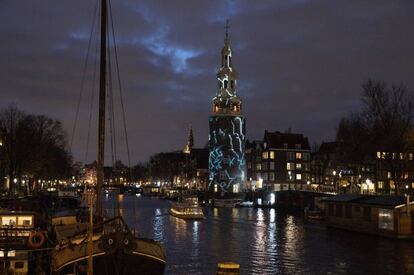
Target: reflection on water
x=262, y=241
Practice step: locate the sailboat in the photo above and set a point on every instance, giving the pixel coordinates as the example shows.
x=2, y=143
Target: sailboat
x=103, y=246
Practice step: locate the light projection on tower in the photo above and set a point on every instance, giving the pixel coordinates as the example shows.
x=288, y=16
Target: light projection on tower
x=227, y=131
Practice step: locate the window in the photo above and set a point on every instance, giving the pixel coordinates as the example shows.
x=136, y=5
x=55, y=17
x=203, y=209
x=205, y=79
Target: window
x=222, y=175
x=259, y=166
x=298, y=166
x=271, y=176
x=306, y=156
x=265, y=176
x=285, y=145
x=388, y=175
x=249, y=165
x=18, y=265
x=290, y=166
x=290, y=176
x=386, y=219
x=330, y=209
x=272, y=154
x=215, y=188
x=410, y=156
x=272, y=165
x=258, y=176
x=348, y=211
x=236, y=188
x=265, y=155
x=380, y=185
x=297, y=146
x=338, y=212
x=378, y=155
x=367, y=213
x=290, y=156
x=298, y=176
x=265, y=165
x=298, y=155
x=225, y=84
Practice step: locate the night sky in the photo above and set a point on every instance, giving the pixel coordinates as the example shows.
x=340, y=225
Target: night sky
x=300, y=63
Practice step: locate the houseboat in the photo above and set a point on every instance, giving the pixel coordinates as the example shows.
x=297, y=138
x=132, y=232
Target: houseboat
x=226, y=202
x=390, y=216
x=21, y=243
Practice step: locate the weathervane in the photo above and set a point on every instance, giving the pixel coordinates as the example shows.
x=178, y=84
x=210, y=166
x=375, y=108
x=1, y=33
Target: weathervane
x=227, y=28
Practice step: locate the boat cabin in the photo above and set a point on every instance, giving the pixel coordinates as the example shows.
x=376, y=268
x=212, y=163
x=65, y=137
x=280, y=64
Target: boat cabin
x=391, y=216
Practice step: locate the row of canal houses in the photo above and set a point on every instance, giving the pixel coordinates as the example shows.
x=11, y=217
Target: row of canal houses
x=285, y=161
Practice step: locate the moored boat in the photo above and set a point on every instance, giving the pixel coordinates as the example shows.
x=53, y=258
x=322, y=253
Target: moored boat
x=188, y=209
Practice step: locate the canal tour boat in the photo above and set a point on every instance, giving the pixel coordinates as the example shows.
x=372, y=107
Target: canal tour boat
x=92, y=243
x=188, y=209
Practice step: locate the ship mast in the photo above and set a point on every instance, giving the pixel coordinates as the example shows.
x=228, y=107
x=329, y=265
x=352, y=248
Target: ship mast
x=102, y=97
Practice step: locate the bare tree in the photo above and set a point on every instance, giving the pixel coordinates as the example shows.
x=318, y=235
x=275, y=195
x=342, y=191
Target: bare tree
x=384, y=125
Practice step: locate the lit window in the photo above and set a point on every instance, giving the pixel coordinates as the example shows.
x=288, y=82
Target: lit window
x=298, y=155
x=265, y=155
x=236, y=188
x=298, y=165
x=290, y=166
x=388, y=174
x=386, y=219
x=378, y=155
x=272, y=154
x=258, y=166
x=380, y=185
x=412, y=185
x=392, y=185
x=215, y=188
x=410, y=156
x=298, y=176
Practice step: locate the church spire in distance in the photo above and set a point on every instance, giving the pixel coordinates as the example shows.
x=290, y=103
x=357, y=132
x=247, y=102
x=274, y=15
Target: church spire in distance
x=190, y=142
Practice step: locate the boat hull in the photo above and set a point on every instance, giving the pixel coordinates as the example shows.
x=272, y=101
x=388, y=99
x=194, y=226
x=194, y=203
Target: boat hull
x=186, y=216
x=138, y=256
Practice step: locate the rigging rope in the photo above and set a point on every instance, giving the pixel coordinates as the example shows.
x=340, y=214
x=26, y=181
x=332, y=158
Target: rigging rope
x=85, y=66
x=92, y=94
x=120, y=89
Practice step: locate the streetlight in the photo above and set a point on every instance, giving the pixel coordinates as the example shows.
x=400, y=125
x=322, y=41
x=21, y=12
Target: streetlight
x=335, y=183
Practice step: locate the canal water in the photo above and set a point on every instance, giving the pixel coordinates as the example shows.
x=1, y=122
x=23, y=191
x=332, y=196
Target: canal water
x=262, y=241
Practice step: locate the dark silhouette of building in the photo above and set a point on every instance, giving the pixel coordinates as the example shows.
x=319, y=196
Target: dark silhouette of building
x=281, y=161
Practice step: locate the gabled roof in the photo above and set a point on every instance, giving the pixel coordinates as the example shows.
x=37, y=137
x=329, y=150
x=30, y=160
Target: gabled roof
x=278, y=140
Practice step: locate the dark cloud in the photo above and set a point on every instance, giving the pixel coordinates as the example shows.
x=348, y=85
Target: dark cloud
x=300, y=63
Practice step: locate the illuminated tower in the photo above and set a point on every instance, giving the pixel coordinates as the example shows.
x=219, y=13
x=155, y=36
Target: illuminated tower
x=227, y=170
